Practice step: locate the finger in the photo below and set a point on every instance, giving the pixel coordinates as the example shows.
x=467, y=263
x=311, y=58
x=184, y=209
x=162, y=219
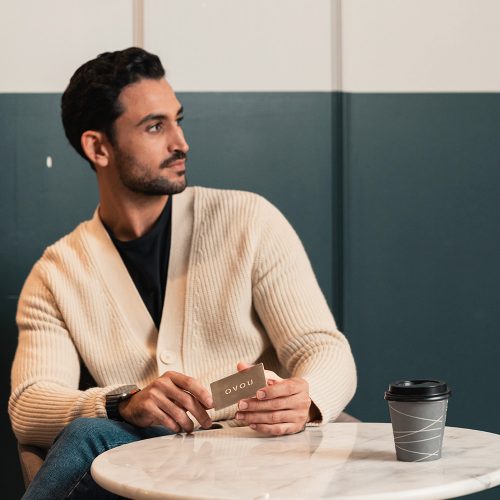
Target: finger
x=277, y=429
x=271, y=377
x=188, y=402
x=143, y=410
x=285, y=387
x=241, y=365
x=272, y=417
x=191, y=385
x=297, y=401
x=177, y=414
x=161, y=418
x=169, y=392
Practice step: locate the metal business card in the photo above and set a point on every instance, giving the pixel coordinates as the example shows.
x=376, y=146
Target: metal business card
x=241, y=385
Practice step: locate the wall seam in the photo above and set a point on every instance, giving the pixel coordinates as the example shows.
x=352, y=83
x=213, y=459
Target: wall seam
x=138, y=23
x=338, y=168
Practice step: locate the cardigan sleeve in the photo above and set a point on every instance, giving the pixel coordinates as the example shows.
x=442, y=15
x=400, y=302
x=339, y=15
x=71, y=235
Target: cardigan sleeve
x=46, y=370
x=297, y=318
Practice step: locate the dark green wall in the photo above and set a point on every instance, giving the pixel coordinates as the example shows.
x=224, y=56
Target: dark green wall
x=422, y=246
x=395, y=196
x=421, y=240
x=38, y=205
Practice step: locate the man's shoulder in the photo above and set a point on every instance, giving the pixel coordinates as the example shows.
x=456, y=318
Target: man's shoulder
x=67, y=247
x=61, y=259
x=246, y=203
x=215, y=198
x=252, y=211
x=220, y=194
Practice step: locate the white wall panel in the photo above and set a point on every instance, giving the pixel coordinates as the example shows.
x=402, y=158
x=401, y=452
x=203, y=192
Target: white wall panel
x=254, y=45
x=43, y=42
x=260, y=45
x=420, y=45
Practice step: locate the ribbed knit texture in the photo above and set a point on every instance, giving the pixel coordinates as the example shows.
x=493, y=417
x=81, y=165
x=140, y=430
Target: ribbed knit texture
x=251, y=296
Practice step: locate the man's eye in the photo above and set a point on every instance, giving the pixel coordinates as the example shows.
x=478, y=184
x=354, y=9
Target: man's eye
x=155, y=128
x=179, y=120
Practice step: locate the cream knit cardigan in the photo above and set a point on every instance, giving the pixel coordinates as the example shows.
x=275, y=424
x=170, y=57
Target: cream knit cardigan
x=239, y=287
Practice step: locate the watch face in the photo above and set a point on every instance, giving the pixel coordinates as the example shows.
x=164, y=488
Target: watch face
x=123, y=391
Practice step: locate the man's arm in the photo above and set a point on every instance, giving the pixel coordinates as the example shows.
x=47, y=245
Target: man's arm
x=302, y=330
x=46, y=370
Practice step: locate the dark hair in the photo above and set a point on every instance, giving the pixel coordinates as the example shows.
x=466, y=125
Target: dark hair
x=90, y=102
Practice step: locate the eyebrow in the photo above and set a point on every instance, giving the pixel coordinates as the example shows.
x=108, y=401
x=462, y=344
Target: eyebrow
x=158, y=116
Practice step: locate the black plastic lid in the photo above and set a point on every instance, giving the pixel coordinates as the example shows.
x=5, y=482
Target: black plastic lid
x=417, y=390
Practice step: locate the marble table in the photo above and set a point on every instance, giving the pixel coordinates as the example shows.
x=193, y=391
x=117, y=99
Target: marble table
x=341, y=460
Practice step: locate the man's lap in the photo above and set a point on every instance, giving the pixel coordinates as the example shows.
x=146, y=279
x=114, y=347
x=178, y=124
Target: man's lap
x=66, y=467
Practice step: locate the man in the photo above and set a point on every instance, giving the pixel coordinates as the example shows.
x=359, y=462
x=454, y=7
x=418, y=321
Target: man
x=165, y=290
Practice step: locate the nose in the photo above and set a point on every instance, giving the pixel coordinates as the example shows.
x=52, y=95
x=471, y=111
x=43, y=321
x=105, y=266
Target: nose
x=177, y=141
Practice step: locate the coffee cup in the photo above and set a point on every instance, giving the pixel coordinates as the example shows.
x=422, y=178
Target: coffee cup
x=418, y=415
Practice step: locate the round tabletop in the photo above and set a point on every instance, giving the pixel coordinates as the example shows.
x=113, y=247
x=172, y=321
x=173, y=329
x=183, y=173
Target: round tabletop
x=339, y=460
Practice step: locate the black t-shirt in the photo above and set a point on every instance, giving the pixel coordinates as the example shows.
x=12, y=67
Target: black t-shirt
x=146, y=259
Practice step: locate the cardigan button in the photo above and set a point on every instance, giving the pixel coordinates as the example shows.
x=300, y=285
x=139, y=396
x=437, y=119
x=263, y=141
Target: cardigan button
x=168, y=357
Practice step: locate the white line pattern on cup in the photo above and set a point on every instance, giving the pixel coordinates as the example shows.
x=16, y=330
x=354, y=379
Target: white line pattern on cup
x=427, y=428
x=411, y=433
x=427, y=455
x=421, y=430
x=420, y=440
x=440, y=419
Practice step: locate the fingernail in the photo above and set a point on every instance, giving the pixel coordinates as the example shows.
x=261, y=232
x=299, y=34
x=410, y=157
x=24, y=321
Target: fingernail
x=209, y=402
x=252, y=426
x=261, y=394
x=242, y=405
x=239, y=416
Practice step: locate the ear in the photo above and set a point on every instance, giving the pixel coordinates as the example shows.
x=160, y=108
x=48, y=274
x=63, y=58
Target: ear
x=96, y=148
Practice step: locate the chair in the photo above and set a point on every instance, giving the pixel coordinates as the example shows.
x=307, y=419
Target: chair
x=31, y=459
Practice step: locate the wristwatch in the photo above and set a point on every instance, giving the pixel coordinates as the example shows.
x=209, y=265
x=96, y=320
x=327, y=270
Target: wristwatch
x=115, y=397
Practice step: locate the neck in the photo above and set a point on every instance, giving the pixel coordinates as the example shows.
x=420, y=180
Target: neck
x=130, y=215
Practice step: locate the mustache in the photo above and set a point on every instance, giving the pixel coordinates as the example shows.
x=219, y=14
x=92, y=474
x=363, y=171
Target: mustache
x=176, y=156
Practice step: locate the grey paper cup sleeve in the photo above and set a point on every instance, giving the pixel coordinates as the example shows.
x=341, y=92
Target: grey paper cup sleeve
x=418, y=429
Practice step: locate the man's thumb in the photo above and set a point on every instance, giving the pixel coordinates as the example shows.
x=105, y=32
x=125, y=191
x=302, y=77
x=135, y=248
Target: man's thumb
x=241, y=365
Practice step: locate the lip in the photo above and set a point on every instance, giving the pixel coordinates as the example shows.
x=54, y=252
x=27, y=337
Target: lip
x=178, y=165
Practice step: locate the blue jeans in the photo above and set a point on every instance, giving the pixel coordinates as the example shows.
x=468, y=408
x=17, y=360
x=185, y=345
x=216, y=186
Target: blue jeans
x=66, y=470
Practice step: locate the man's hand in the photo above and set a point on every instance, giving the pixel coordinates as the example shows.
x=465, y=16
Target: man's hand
x=280, y=408
x=165, y=402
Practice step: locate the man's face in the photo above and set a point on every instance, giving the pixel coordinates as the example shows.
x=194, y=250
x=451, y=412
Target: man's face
x=149, y=149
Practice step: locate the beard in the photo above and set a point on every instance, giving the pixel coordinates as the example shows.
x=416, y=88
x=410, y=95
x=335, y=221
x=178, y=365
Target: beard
x=140, y=178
